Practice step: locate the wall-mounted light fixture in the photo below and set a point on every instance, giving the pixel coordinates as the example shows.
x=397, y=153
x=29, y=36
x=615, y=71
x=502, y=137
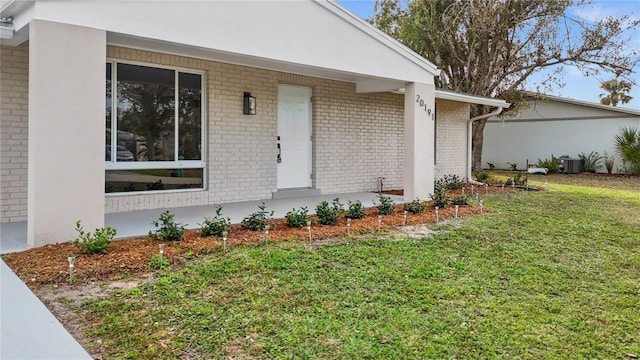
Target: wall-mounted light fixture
x=249, y=104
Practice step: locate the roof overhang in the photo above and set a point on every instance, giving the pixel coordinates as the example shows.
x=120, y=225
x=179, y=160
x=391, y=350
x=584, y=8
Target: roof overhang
x=538, y=96
x=314, y=37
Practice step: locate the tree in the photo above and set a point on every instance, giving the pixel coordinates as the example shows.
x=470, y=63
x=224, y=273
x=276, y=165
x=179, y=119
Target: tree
x=491, y=47
x=617, y=90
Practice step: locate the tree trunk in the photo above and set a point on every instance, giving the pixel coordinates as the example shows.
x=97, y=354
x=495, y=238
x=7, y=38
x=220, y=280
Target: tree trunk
x=477, y=141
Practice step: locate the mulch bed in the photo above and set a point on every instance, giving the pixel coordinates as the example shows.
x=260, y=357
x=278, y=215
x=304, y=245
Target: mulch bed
x=128, y=257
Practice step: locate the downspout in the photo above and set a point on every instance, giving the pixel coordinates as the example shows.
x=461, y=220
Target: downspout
x=470, y=137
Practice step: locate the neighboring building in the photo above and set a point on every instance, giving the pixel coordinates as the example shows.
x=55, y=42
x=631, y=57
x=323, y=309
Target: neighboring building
x=110, y=106
x=555, y=126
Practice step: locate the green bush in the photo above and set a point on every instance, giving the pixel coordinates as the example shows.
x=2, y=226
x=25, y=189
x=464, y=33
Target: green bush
x=482, y=176
x=167, y=228
x=216, y=225
x=519, y=178
x=329, y=214
x=450, y=182
x=440, y=196
x=356, y=210
x=627, y=143
x=460, y=200
x=258, y=220
x=509, y=181
x=297, y=218
x=157, y=263
x=96, y=243
x=609, y=160
x=553, y=164
x=385, y=205
x=591, y=162
x=415, y=207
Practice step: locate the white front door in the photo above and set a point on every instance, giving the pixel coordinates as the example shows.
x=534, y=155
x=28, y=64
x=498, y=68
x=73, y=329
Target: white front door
x=294, y=137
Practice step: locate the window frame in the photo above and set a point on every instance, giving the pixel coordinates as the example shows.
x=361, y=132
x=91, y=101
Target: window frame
x=113, y=164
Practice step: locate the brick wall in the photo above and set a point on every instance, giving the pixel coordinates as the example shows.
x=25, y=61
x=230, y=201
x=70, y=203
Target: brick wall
x=14, y=82
x=451, y=138
x=357, y=137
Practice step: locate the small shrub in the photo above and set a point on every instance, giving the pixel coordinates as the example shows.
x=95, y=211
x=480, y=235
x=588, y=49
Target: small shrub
x=451, y=181
x=96, y=243
x=509, y=181
x=356, y=210
x=297, y=218
x=553, y=164
x=329, y=214
x=460, y=200
x=591, y=162
x=627, y=143
x=519, y=178
x=482, y=176
x=166, y=228
x=609, y=160
x=514, y=166
x=415, y=207
x=491, y=166
x=258, y=220
x=385, y=205
x=158, y=263
x=440, y=197
x=216, y=225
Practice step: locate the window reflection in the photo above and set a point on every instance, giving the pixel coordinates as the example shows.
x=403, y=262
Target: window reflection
x=152, y=180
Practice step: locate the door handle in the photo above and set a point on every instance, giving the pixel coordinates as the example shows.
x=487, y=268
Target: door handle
x=279, y=153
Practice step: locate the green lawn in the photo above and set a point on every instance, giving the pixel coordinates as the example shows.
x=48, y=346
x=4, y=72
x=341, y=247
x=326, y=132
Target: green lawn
x=547, y=275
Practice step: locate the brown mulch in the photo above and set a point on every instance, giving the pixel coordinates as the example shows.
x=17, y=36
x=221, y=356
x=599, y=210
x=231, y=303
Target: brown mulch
x=128, y=257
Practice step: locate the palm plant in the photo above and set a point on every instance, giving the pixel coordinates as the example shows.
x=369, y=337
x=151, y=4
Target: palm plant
x=627, y=144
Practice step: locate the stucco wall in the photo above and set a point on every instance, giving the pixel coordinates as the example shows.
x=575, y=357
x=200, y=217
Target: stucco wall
x=14, y=95
x=551, y=128
x=451, y=138
x=357, y=137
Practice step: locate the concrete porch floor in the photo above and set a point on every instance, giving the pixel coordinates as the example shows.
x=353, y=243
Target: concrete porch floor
x=30, y=331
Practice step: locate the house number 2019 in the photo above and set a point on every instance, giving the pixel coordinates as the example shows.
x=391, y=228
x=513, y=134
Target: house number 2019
x=423, y=105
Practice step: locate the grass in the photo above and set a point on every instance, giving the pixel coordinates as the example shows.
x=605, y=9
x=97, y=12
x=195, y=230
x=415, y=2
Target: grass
x=548, y=275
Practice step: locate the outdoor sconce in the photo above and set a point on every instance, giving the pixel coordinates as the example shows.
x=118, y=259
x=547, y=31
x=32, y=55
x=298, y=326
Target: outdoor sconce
x=249, y=104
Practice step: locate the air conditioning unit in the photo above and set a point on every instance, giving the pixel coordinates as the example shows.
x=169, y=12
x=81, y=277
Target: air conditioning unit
x=572, y=166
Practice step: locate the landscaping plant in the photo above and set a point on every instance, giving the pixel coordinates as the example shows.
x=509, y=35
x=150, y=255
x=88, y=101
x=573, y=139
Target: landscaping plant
x=158, y=262
x=553, y=164
x=329, y=214
x=385, y=205
x=627, y=143
x=297, y=218
x=415, y=207
x=96, y=243
x=258, y=220
x=460, y=200
x=482, y=176
x=356, y=210
x=609, y=160
x=166, y=228
x=216, y=225
x=591, y=161
x=450, y=181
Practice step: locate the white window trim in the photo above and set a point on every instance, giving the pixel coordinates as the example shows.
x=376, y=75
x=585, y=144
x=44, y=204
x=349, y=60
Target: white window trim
x=144, y=165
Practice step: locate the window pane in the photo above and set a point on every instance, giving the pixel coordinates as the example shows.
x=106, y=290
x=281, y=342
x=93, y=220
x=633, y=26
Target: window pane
x=152, y=180
x=108, y=115
x=190, y=116
x=146, y=111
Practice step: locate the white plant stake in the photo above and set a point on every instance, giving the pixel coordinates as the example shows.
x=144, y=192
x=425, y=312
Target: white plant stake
x=463, y=190
x=480, y=206
x=437, y=213
x=472, y=189
x=71, y=260
x=545, y=185
x=404, y=218
x=379, y=222
x=486, y=189
x=161, y=251
x=457, y=206
x=309, y=229
x=224, y=240
x=348, y=226
x=266, y=233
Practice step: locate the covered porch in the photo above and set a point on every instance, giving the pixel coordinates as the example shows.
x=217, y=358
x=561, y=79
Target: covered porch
x=13, y=236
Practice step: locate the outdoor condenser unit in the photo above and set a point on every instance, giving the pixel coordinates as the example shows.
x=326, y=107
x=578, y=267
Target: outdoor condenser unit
x=572, y=166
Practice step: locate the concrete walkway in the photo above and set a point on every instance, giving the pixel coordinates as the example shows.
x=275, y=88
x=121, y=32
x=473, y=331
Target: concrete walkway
x=30, y=331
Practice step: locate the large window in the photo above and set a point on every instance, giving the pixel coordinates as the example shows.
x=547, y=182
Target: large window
x=154, y=128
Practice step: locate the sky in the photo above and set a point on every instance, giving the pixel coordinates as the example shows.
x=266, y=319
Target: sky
x=577, y=86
